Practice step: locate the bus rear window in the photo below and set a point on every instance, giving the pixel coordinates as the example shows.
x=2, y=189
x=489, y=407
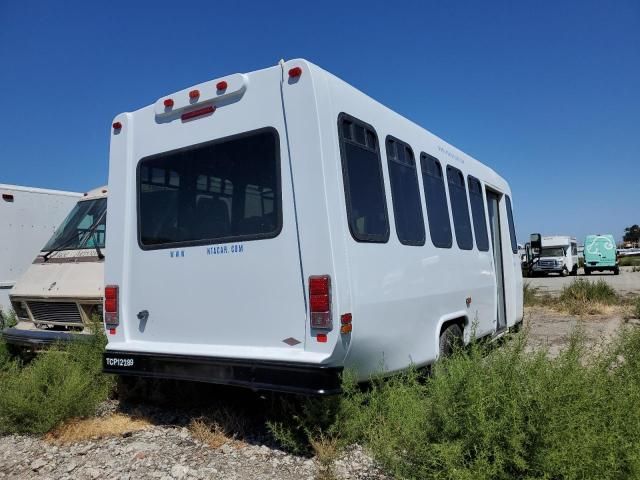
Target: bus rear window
x=221, y=191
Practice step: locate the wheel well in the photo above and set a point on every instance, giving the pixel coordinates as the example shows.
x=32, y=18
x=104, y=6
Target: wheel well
x=460, y=321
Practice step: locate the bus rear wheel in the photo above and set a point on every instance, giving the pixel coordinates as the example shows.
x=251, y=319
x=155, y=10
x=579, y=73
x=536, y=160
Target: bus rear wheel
x=450, y=339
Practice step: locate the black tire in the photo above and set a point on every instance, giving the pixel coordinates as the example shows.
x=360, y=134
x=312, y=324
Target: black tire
x=616, y=271
x=564, y=272
x=587, y=271
x=574, y=271
x=450, y=339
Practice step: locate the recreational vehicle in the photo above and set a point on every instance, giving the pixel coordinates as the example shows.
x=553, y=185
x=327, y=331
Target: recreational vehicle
x=270, y=229
x=558, y=254
x=600, y=254
x=61, y=292
x=28, y=217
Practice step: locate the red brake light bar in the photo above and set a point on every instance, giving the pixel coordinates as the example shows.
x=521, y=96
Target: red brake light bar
x=198, y=113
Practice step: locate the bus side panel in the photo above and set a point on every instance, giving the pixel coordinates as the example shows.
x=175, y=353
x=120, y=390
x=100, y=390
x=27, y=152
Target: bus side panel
x=401, y=294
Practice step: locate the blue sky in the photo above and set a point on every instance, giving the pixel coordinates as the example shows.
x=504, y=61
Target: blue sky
x=545, y=92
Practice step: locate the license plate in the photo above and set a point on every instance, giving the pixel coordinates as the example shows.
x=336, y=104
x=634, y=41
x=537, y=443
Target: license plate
x=123, y=362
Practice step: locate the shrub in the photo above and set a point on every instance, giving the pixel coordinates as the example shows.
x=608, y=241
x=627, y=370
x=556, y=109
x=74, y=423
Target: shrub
x=506, y=413
x=530, y=294
x=8, y=319
x=583, y=296
x=60, y=383
x=629, y=261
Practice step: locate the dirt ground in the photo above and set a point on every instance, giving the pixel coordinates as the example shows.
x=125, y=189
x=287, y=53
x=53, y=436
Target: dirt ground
x=551, y=329
x=625, y=283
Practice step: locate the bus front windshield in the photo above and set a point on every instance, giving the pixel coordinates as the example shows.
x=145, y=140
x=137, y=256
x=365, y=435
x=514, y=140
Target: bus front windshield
x=552, y=252
x=79, y=229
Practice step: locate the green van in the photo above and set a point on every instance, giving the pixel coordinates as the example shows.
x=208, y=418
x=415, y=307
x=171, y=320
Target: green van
x=600, y=254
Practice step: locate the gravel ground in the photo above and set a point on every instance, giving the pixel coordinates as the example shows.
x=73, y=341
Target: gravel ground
x=166, y=452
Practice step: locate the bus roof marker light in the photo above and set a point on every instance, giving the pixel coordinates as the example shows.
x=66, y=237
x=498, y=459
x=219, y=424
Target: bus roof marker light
x=117, y=126
x=168, y=102
x=221, y=86
x=193, y=94
x=295, y=72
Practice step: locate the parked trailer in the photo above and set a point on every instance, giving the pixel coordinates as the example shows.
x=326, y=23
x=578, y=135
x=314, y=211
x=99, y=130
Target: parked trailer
x=270, y=229
x=28, y=216
x=61, y=292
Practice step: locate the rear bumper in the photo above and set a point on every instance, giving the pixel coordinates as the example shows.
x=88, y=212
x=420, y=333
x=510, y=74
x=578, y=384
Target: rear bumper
x=308, y=379
x=36, y=338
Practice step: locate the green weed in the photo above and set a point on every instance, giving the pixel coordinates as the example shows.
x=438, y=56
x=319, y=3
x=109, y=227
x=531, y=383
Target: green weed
x=60, y=383
x=502, y=413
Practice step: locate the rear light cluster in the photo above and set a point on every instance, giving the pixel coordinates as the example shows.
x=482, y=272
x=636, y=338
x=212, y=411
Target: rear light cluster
x=111, y=306
x=320, y=301
x=345, y=323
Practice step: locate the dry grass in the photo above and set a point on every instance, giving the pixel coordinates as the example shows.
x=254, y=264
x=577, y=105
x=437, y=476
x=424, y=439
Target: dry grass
x=326, y=450
x=209, y=433
x=219, y=426
x=79, y=430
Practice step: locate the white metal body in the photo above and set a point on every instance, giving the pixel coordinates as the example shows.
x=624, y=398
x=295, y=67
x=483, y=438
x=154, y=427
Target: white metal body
x=28, y=217
x=242, y=300
x=69, y=276
x=564, y=263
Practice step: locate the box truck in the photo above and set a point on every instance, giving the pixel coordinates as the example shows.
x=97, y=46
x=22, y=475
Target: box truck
x=60, y=293
x=270, y=229
x=28, y=217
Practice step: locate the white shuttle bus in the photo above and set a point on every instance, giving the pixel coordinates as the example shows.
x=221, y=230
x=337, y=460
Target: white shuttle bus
x=61, y=291
x=273, y=228
x=559, y=254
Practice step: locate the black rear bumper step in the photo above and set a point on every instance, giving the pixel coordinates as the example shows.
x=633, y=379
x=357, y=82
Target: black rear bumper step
x=289, y=377
x=37, y=338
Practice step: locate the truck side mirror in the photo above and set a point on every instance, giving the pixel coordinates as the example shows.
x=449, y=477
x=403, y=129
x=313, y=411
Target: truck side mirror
x=536, y=241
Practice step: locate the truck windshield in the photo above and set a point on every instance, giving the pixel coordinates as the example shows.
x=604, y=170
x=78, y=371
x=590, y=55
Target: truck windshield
x=73, y=232
x=552, y=252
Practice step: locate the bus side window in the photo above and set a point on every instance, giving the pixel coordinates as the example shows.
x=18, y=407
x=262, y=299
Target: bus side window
x=459, y=208
x=476, y=198
x=363, y=184
x=407, y=208
x=435, y=197
x=512, y=229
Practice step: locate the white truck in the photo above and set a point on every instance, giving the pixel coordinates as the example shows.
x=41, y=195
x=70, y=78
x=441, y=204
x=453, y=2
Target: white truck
x=558, y=254
x=60, y=293
x=269, y=229
x=28, y=217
